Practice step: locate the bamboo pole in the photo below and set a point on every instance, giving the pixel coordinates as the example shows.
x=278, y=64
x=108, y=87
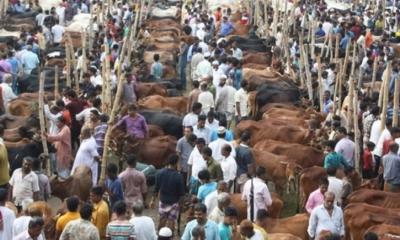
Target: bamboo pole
x=395, y=122
x=83, y=67
x=308, y=75
x=107, y=80
x=357, y=134
x=56, y=87
x=346, y=59
x=335, y=95
x=312, y=40
x=337, y=48
x=275, y=19
x=301, y=62
x=350, y=110
x=266, y=3
x=68, y=65
x=320, y=87
x=73, y=62
x=340, y=86
x=386, y=94
x=374, y=69
x=42, y=122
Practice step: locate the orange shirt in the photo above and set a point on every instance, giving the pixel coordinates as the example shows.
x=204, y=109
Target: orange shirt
x=66, y=218
x=368, y=40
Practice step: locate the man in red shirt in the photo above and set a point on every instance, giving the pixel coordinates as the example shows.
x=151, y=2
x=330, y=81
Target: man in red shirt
x=218, y=15
x=368, y=161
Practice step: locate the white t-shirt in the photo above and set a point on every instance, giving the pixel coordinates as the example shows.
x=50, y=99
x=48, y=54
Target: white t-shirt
x=8, y=220
x=375, y=131
x=190, y=119
x=229, y=168
x=24, y=187
x=241, y=97
x=57, y=31
x=211, y=201
x=197, y=162
x=257, y=236
x=335, y=186
x=207, y=101
x=86, y=156
x=144, y=228
x=216, y=147
x=21, y=224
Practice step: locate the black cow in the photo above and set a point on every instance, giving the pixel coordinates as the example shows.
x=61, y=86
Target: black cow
x=170, y=123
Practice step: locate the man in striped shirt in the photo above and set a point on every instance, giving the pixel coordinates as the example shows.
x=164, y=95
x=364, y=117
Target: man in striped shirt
x=120, y=228
x=100, y=133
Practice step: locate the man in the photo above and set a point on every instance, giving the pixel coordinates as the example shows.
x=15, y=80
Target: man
x=261, y=222
x=335, y=184
x=327, y=102
x=4, y=165
x=226, y=27
x=21, y=223
x=203, y=68
x=156, y=70
x=44, y=184
x=244, y=161
x=113, y=185
x=29, y=60
x=206, y=99
x=391, y=169
x=100, y=214
x=6, y=91
x=184, y=147
x=133, y=182
x=347, y=186
x=134, y=123
x=191, y=119
x=196, y=163
x=57, y=30
x=7, y=216
x=248, y=232
x=87, y=154
x=228, y=165
x=200, y=129
x=196, y=59
x=99, y=133
x=256, y=194
x=236, y=52
x=217, y=214
x=24, y=183
x=316, y=198
x=217, y=145
x=227, y=228
x=120, y=228
x=326, y=217
x=241, y=100
x=72, y=214
x=144, y=225
x=211, y=122
x=207, y=186
x=81, y=229
x=34, y=231
x=171, y=188
x=214, y=168
x=192, y=100
x=368, y=121
x=211, y=200
x=333, y=159
x=210, y=227
x=345, y=146
x=225, y=102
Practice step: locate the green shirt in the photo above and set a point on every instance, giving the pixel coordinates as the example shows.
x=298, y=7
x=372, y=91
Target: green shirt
x=4, y=167
x=335, y=160
x=215, y=170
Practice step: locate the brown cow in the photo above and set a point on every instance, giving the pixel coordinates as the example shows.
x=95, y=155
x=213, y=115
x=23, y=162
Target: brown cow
x=155, y=131
x=358, y=217
x=305, y=156
x=375, y=197
x=274, y=211
x=155, y=151
x=19, y=107
x=279, y=170
x=386, y=231
x=257, y=58
x=157, y=102
x=296, y=225
x=282, y=236
x=78, y=184
x=148, y=89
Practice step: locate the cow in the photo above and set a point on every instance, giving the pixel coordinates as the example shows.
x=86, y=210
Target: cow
x=155, y=151
x=19, y=107
x=155, y=131
x=148, y=89
x=170, y=123
x=279, y=170
x=358, y=217
x=247, y=44
x=375, y=197
x=78, y=184
x=156, y=102
x=274, y=211
x=257, y=58
x=386, y=231
x=304, y=156
x=296, y=225
x=280, y=111
x=282, y=236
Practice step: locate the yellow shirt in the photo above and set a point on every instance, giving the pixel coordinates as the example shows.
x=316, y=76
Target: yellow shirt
x=261, y=230
x=66, y=218
x=4, y=167
x=100, y=217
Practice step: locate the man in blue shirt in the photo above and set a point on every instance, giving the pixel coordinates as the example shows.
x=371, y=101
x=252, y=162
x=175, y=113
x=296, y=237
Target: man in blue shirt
x=210, y=227
x=207, y=186
x=113, y=185
x=156, y=70
x=29, y=60
x=226, y=27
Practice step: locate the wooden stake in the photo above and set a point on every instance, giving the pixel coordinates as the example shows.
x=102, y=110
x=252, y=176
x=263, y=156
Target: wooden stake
x=350, y=110
x=301, y=63
x=337, y=48
x=335, y=95
x=56, y=87
x=395, y=122
x=320, y=87
x=357, y=134
x=42, y=122
x=308, y=74
x=374, y=69
x=386, y=94
x=68, y=65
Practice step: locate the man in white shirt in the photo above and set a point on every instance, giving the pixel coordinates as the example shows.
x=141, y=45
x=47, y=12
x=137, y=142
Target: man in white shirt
x=206, y=99
x=22, y=222
x=144, y=225
x=327, y=27
x=211, y=199
x=335, y=184
x=34, y=231
x=94, y=104
x=57, y=31
x=257, y=189
x=228, y=165
x=7, y=91
x=345, y=146
x=236, y=52
x=196, y=59
x=60, y=10
x=24, y=183
x=203, y=68
x=326, y=217
x=217, y=145
x=217, y=73
x=8, y=216
x=196, y=163
x=200, y=129
x=211, y=122
x=247, y=230
x=241, y=100
x=87, y=154
x=217, y=214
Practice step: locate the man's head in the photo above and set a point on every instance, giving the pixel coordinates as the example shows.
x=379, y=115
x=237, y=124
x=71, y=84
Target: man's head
x=370, y=146
x=86, y=211
x=230, y=215
x=323, y=185
x=341, y=133
x=72, y=203
x=261, y=218
x=210, y=116
x=96, y=194
x=173, y=161
x=394, y=147
x=244, y=85
x=245, y=137
x=36, y=164
x=3, y=196
x=198, y=233
x=395, y=132
x=246, y=228
x=132, y=108
x=85, y=133
x=329, y=199
x=27, y=165
x=204, y=176
x=200, y=213
x=60, y=122
x=201, y=123
x=330, y=145
x=196, y=108
x=156, y=57
x=137, y=208
x=207, y=153
x=221, y=132
x=223, y=200
x=222, y=186
x=200, y=143
x=112, y=170
x=327, y=95
x=226, y=150
x=331, y=171
x=349, y=172
x=94, y=115
x=260, y=172
x=35, y=227
x=131, y=160
x=187, y=131
x=119, y=208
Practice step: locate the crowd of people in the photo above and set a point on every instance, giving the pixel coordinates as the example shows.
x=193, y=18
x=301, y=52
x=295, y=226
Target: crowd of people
x=210, y=162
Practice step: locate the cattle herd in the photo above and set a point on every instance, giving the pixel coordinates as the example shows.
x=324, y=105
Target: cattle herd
x=287, y=123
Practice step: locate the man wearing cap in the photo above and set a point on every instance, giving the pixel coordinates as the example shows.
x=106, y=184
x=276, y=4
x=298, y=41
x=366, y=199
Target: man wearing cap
x=204, y=67
x=236, y=52
x=196, y=59
x=206, y=99
x=165, y=233
x=216, y=145
x=217, y=73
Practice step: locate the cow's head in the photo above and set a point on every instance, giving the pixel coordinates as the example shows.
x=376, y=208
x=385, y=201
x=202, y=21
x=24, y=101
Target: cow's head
x=60, y=186
x=292, y=172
